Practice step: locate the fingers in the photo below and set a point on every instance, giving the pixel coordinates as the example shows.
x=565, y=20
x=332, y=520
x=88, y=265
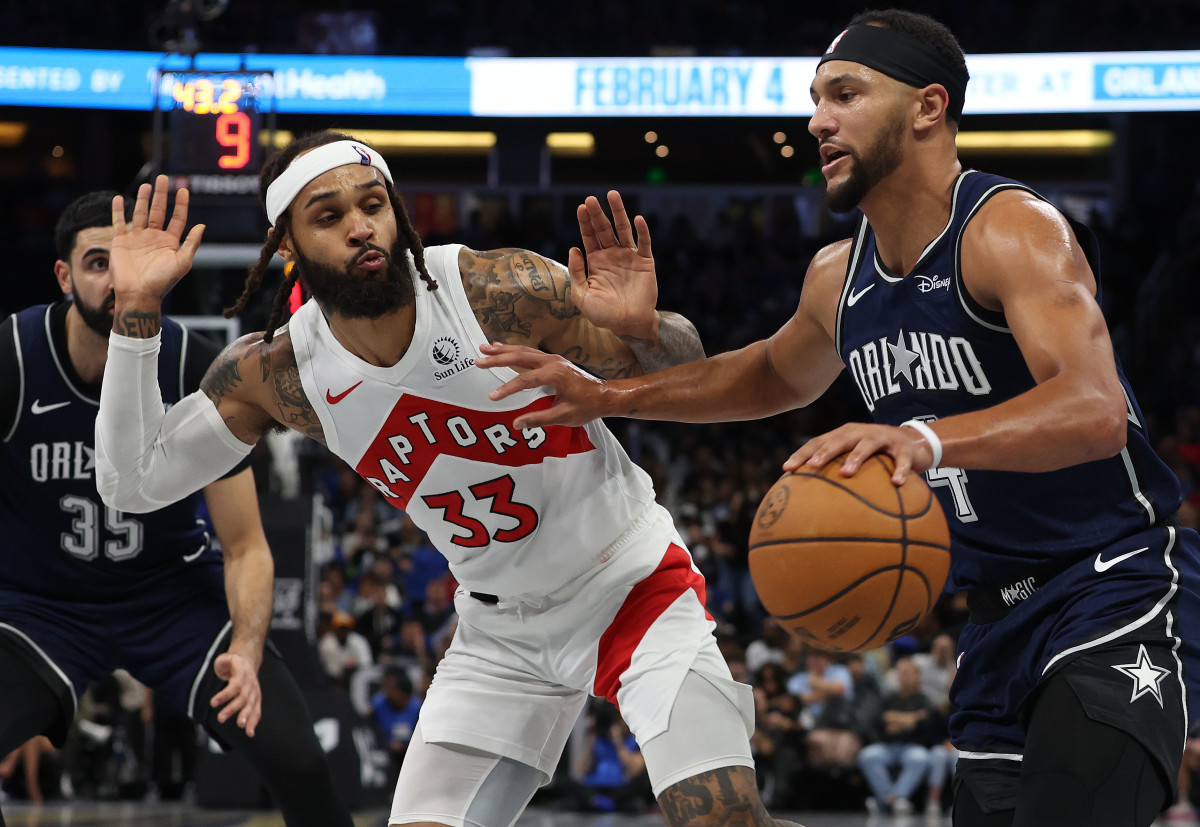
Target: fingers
x=192, y=243
x=180, y=214
x=141, y=207
x=624, y=230
x=156, y=218
x=577, y=267
x=118, y=214
x=643, y=236
x=601, y=226
x=586, y=231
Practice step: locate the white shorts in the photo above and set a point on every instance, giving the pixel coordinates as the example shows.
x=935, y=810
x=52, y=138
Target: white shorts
x=517, y=674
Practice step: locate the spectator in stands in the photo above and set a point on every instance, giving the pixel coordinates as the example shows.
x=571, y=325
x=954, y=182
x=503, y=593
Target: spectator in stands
x=395, y=708
x=378, y=621
x=905, y=723
x=610, y=773
x=937, y=667
x=779, y=738
x=827, y=691
x=343, y=650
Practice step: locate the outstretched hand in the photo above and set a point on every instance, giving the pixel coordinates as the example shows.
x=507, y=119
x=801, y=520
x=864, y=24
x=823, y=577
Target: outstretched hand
x=615, y=287
x=241, y=696
x=147, y=256
x=579, y=396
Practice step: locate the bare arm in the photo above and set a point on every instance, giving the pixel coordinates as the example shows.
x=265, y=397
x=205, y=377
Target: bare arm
x=1020, y=257
x=601, y=314
x=789, y=370
x=249, y=590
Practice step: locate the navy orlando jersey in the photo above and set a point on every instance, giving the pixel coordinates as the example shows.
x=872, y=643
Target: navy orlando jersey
x=919, y=347
x=60, y=541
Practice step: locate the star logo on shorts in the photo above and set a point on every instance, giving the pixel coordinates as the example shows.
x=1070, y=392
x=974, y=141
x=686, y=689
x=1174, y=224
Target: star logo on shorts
x=1147, y=678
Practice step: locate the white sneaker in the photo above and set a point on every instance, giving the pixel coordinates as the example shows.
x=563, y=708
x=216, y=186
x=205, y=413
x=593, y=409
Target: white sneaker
x=902, y=807
x=872, y=805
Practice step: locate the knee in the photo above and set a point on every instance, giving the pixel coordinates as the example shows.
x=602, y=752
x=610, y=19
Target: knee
x=725, y=796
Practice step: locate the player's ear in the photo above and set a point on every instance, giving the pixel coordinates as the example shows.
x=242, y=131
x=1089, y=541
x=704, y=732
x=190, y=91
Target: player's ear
x=285, y=247
x=62, y=273
x=934, y=104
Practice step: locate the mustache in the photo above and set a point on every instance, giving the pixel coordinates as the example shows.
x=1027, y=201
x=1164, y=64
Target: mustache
x=368, y=249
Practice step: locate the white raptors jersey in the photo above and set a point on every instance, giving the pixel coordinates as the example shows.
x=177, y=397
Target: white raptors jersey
x=514, y=511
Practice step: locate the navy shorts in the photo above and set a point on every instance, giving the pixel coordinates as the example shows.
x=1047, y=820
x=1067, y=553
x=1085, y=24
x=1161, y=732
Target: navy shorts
x=165, y=637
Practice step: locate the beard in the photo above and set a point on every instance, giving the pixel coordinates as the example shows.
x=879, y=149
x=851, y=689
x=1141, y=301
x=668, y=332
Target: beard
x=98, y=319
x=355, y=295
x=870, y=167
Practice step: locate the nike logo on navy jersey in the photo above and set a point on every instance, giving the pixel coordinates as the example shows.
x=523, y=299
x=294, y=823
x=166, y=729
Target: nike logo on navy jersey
x=854, y=297
x=1104, y=565
x=38, y=408
x=333, y=400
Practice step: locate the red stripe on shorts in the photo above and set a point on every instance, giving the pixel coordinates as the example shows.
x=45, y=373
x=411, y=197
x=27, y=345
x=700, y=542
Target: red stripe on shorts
x=645, y=604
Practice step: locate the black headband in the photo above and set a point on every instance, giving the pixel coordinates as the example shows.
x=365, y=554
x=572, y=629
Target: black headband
x=902, y=58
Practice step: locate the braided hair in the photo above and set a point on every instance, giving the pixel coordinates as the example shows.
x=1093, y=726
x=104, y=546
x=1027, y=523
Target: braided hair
x=272, y=170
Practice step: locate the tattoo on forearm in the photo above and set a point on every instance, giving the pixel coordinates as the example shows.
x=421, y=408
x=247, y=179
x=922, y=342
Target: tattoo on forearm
x=678, y=342
x=724, y=796
x=138, y=324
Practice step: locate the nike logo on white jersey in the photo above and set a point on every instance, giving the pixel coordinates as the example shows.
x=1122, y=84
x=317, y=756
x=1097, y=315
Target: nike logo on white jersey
x=38, y=408
x=854, y=297
x=1104, y=565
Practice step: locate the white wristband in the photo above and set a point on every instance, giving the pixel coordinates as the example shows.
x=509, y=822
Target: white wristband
x=935, y=444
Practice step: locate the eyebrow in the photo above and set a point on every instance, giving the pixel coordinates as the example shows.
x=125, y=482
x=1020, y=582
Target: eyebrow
x=833, y=81
x=331, y=193
x=94, y=250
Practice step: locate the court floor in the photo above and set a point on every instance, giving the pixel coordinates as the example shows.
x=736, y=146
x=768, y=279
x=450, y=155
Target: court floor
x=139, y=814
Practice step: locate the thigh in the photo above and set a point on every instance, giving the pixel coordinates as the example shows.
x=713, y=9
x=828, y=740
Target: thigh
x=461, y=786
x=1081, y=771
x=706, y=731
x=484, y=699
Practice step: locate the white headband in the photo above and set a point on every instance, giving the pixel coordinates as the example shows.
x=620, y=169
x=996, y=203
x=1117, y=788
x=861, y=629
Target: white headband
x=316, y=162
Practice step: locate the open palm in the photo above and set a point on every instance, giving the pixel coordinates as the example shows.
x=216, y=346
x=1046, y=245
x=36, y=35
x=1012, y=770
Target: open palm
x=147, y=257
x=616, y=288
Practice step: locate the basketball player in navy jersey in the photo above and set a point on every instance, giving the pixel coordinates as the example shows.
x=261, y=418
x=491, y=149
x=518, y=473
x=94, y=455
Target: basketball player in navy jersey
x=85, y=589
x=966, y=310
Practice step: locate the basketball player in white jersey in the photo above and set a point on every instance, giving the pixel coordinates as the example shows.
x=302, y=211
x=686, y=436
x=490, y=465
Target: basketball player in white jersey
x=573, y=580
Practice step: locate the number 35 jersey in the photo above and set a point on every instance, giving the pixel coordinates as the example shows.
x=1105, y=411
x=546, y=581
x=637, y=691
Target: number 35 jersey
x=57, y=539
x=515, y=511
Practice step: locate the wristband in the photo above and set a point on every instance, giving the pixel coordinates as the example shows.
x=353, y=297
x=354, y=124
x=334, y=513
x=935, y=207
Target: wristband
x=935, y=444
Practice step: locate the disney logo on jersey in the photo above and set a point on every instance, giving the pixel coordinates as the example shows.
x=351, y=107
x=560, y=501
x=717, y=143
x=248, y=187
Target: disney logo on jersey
x=418, y=431
x=445, y=351
x=924, y=361
x=927, y=284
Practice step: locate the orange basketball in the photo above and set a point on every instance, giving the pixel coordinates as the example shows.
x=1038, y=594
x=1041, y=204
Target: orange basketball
x=849, y=563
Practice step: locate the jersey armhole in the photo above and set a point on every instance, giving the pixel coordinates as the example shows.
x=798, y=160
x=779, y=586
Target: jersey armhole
x=12, y=378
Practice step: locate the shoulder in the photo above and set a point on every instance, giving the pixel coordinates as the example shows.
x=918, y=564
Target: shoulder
x=243, y=365
x=1015, y=217
x=824, y=280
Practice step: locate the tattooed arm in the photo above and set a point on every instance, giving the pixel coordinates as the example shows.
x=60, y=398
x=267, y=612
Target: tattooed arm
x=523, y=298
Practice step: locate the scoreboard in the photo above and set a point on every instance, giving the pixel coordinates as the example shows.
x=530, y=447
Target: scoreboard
x=214, y=121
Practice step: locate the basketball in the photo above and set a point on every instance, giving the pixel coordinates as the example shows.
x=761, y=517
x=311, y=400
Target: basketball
x=849, y=563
